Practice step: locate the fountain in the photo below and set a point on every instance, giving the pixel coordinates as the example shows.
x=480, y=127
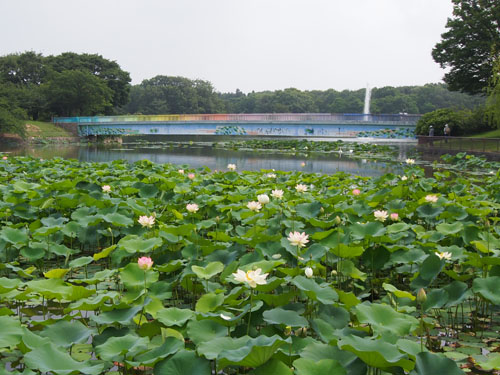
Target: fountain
x=366, y=110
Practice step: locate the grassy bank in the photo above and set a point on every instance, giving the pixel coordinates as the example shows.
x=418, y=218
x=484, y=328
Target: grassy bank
x=39, y=129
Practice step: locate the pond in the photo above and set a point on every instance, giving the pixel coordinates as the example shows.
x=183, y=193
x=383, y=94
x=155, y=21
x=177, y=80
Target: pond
x=204, y=155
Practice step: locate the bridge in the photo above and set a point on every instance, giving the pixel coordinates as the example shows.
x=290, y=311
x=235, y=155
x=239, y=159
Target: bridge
x=275, y=124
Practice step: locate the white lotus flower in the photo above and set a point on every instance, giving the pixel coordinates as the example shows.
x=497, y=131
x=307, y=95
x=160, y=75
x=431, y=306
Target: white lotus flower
x=309, y=272
x=181, y=171
x=252, y=278
x=444, y=255
x=263, y=198
x=231, y=167
x=278, y=193
x=298, y=239
x=380, y=215
x=271, y=175
x=431, y=198
x=404, y=178
x=192, y=207
x=106, y=188
x=410, y=161
x=146, y=221
x=301, y=188
x=254, y=206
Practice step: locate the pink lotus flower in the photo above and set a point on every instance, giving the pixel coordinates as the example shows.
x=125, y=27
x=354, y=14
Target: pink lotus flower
x=192, y=207
x=298, y=239
x=4, y=158
x=146, y=221
x=394, y=216
x=191, y=176
x=356, y=192
x=145, y=263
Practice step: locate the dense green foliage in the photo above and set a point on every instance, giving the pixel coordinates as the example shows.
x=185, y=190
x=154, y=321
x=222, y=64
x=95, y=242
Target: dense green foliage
x=462, y=123
x=174, y=95
x=70, y=84
x=398, y=274
x=470, y=46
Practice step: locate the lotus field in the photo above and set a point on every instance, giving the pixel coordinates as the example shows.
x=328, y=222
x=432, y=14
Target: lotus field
x=109, y=268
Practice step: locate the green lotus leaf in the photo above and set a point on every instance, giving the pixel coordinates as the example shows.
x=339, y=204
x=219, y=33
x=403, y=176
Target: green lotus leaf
x=148, y=191
x=121, y=316
x=134, y=244
x=49, y=359
x=171, y=266
x=491, y=362
x=449, y=229
x=370, y=229
x=488, y=288
x=205, y=330
x=34, y=251
x=457, y=292
x=62, y=250
x=65, y=334
x=317, y=351
x=398, y=293
x=53, y=222
x=6, y=285
x=286, y=317
x=384, y=318
x=80, y=262
x=174, y=316
x=56, y=273
x=183, y=363
x=429, y=269
x=115, y=348
x=209, y=302
x=11, y=332
x=104, y=253
x=318, y=236
x=58, y=289
x=170, y=346
x=376, y=353
x=14, y=235
x=210, y=270
x=308, y=210
x=133, y=277
x=430, y=363
x=346, y=251
x=92, y=303
x=275, y=367
x=304, y=366
x=397, y=228
x=347, y=267
x=118, y=220
x=323, y=294
x=429, y=211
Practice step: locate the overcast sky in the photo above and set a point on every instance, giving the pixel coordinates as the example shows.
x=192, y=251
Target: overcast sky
x=253, y=45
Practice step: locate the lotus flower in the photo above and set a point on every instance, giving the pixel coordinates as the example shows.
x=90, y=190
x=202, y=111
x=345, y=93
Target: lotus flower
x=309, y=272
x=302, y=164
x=410, y=161
x=356, y=192
x=254, y=206
x=4, y=157
x=231, y=167
x=394, y=216
x=192, y=207
x=263, y=199
x=298, y=239
x=106, y=188
x=444, y=255
x=145, y=263
x=191, y=176
x=252, y=278
x=404, y=178
x=271, y=175
x=278, y=193
x=301, y=188
x=181, y=171
x=431, y=198
x=146, y=221
x=380, y=215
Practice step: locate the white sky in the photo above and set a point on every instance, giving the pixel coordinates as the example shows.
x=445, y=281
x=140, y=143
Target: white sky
x=253, y=45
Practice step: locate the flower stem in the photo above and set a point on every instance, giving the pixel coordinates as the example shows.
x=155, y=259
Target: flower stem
x=250, y=314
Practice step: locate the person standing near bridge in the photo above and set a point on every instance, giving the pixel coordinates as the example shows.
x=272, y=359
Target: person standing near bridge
x=446, y=130
x=431, y=131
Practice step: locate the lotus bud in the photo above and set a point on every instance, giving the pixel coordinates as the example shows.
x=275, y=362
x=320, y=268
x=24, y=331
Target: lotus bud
x=337, y=220
x=301, y=332
x=322, y=210
x=421, y=296
x=288, y=331
x=333, y=273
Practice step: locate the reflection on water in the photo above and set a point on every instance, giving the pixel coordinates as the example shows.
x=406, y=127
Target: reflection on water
x=200, y=156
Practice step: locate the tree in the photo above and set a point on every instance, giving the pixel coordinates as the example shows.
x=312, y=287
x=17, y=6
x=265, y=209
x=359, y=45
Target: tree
x=470, y=45
x=493, y=103
x=11, y=115
x=108, y=71
x=77, y=93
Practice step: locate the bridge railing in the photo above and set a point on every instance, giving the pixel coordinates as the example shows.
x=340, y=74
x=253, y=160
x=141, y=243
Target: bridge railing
x=459, y=144
x=403, y=119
